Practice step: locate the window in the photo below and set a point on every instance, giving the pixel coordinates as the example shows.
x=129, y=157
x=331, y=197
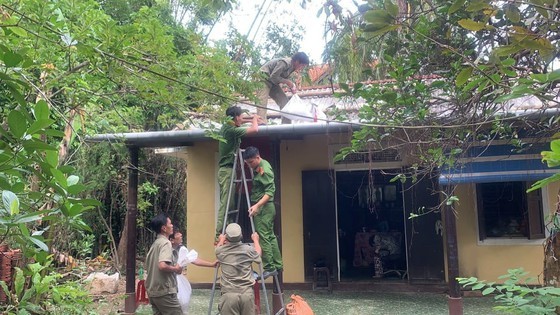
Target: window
x=505, y=210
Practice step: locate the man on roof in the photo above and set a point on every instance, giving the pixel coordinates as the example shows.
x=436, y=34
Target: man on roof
x=276, y=72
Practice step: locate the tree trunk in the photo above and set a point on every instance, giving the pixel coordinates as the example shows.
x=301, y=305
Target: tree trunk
x=122, y=249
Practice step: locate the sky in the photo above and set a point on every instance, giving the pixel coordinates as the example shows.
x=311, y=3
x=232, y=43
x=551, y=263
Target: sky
x=313, y=41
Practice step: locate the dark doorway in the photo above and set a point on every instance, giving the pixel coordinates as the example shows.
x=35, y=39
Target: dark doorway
x=319, y=221
x=371, y=226
x=424, y=232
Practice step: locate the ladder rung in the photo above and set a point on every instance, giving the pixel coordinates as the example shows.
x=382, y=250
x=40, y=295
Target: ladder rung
x=240, y=180
x=232, y=211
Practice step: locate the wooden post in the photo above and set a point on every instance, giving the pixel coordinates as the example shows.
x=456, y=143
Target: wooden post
x=455, y=301
x=132, y=212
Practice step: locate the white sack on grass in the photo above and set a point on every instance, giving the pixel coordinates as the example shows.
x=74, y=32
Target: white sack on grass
x=299, y=110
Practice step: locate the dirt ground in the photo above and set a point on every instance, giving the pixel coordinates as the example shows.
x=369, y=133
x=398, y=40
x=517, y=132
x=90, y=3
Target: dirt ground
x=110, y=304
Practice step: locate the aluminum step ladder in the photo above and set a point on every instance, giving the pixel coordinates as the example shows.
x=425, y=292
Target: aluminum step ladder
x=239, y=168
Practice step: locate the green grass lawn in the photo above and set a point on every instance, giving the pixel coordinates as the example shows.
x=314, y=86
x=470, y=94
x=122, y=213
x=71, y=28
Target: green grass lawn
x=359, y=303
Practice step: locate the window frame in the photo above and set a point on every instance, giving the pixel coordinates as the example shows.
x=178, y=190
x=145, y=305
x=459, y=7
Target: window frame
x=545, y=211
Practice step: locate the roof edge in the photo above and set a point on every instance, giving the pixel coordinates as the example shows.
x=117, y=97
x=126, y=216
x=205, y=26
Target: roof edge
x=158, y=139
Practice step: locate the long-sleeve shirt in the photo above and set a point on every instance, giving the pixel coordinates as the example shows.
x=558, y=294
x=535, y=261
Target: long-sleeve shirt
x=226, y=150
x=278, y=69
x=263, y=182
x=236, y=260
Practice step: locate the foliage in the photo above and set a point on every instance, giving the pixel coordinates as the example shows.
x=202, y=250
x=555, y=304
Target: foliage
x=552, y=159
x=107, y=66
x=37, y=193
x=514, y=296
x=449, y=74
x=44, y=293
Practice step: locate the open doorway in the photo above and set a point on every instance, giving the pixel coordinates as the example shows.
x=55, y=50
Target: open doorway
x=371, y=226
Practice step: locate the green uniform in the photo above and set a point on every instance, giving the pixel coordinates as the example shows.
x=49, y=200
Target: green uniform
x=274, y=72
x=236, y=278
x=263, y=183
x=226, y=152
x=161, y=286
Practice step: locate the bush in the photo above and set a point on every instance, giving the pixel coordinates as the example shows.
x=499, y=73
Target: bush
x=515, y=295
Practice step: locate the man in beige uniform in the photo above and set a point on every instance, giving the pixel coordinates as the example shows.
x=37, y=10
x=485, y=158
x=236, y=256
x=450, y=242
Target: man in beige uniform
x=237, y=280
x=161, y=266
x=274, y=73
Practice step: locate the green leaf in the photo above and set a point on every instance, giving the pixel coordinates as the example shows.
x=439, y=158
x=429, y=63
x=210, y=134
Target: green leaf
x=472, y=25
x=378, y=17
x=383, y=30
x=52, y=158
x=18, y=31
x=42, y=110
x=17, y=123
x=87, y=202
x=39, y=125
x=59, y=177
x=506, y=50
x=10, y=201
x=392, y=8
x=75, y=210
x=555, y=146
x=508, y=62
x=463, y=76
x=5, y=289
x=39, y=243
x=477, y=5
x=19, y=281
x=12, y=59
x=455, y=6
x=478, y=286
x=54, y=133
x=488, y=291
x=512, y=13
x=28, y=218
x=34, y=144
x=76, y=189
x=73, y=180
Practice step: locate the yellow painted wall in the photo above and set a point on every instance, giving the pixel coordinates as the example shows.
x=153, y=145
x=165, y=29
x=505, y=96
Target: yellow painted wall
x=201, y=181
x=309, y=153
x=488, y=262
x=296, y=156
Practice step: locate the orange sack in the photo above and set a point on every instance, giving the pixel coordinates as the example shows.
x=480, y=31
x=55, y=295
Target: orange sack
x=298, y=306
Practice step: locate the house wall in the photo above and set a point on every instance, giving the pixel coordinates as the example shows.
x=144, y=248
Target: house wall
x=488, y=262
x=201, y=203
x=310, y=153
x=307, y=153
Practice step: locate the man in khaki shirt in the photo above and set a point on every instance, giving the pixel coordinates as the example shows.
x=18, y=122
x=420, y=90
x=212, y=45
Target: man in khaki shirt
x=276, y=72
x=236, y=259
x=161, y=266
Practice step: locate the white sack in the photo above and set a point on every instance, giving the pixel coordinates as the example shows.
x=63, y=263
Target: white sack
x=300, y=110
x=183, y=293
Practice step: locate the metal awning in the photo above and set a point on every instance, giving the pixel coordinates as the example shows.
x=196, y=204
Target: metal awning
x=498, y=163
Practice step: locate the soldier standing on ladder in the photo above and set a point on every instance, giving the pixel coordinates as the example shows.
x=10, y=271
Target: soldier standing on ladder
x=263, y=210
x=231, y=132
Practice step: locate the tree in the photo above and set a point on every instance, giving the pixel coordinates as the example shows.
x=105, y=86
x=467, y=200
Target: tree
x=142, y=72
x=447, y=74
